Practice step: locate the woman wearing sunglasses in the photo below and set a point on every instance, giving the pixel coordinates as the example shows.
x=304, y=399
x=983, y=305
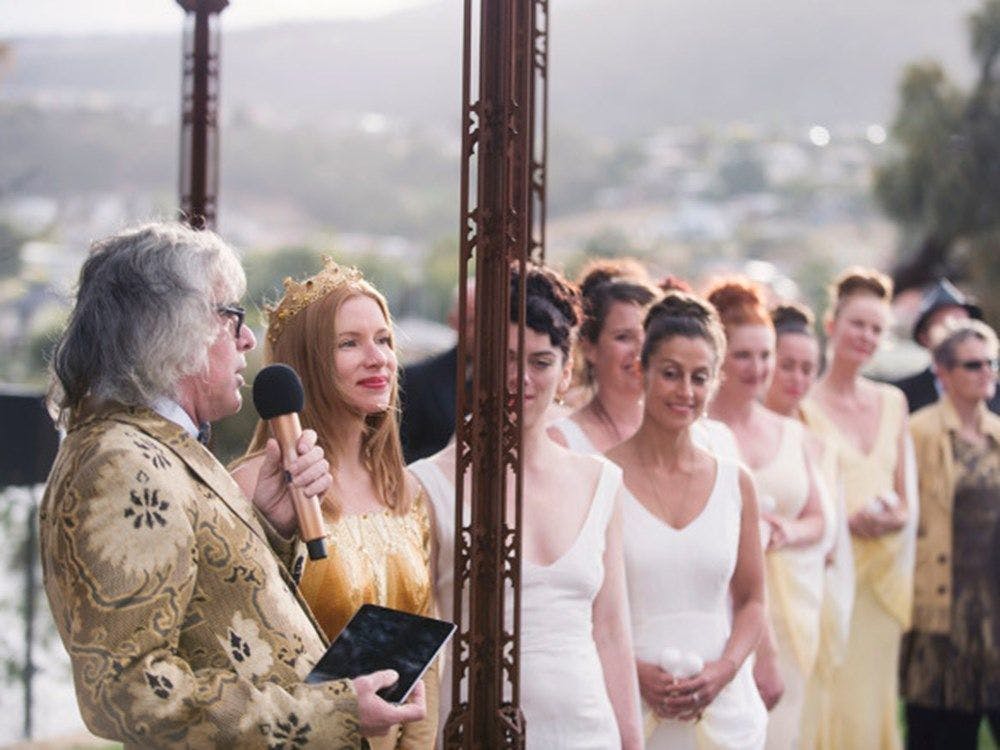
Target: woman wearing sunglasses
x=950, y=666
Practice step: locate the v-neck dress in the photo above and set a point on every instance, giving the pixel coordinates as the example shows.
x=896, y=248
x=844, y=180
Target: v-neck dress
x=794, y=585
x=563, y=694
x=576, y=439
x=864, y=688
x=678, y=585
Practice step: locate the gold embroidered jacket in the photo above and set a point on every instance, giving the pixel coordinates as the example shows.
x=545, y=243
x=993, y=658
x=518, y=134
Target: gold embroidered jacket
x=174, y=599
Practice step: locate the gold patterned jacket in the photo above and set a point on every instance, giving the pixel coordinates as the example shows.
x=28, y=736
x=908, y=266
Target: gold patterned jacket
x=932, y=428
x=174, y=599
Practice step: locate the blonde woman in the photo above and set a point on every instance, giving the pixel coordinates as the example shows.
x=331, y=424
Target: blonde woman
x=868, y=422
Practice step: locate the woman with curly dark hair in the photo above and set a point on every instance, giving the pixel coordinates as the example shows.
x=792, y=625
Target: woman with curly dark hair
x=578, y=687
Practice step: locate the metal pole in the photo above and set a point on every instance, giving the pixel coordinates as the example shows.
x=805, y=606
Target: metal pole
x=495, y=233
x=539, y=127
x=199, y=119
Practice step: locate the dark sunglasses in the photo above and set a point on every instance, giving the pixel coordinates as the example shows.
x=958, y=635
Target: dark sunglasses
x=975, y=365
x=236, y=312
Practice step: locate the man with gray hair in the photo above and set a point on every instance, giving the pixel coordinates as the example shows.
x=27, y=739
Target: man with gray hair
x=170, y=589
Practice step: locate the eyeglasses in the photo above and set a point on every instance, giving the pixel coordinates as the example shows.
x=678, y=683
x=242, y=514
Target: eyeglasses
x=975, y=365
x=236, y=312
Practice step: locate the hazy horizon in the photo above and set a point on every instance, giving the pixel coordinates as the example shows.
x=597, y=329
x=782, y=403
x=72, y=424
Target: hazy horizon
x=72, y=18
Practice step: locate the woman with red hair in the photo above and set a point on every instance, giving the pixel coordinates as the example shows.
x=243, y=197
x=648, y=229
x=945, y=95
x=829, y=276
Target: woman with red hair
x=773, y=447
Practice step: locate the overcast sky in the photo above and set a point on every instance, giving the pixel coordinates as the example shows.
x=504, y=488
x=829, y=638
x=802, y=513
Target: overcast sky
x=22, y=17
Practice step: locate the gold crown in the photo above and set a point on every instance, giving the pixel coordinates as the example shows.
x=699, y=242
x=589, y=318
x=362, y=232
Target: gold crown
x=300, y=294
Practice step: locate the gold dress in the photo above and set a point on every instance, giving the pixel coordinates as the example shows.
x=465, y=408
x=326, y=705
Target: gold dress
x=863, y=699
x=377, y=558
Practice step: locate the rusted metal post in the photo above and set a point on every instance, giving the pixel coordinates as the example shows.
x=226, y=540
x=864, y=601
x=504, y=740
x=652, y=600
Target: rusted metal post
x=495, y=233
x=199, y=177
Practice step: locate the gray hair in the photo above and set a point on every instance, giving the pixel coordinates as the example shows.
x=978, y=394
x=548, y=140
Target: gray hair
x=953, y=333
x=144, y=316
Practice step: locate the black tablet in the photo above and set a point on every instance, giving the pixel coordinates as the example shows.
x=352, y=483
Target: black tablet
x=382, y=638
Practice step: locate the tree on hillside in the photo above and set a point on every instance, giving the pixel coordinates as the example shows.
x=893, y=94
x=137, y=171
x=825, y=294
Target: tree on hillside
x=943, y=184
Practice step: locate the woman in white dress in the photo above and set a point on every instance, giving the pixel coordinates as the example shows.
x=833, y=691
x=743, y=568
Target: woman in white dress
x=616, y=295
x=692, y=546
x=578, y=680
x=797, y=365
x=773, y=447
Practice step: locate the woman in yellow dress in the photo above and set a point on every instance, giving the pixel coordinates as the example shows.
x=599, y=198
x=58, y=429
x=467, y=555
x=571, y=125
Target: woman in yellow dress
x=797, y=366
x=867, y=420
x=335, y=330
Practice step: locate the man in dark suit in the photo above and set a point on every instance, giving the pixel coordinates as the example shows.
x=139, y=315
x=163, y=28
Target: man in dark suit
x=942, y=302
x=427, y=392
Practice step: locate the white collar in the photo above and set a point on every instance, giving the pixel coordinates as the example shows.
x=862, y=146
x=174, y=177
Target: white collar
x=170, y=409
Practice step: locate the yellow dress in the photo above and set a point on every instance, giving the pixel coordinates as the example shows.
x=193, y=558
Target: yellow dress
x=377, y=558
x=863, y=688
x=838, y=591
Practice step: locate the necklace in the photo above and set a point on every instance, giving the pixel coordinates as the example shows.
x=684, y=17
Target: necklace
x=657, y=499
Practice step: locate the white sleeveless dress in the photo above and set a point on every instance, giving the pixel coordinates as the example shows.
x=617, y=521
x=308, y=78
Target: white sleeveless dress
x=576, y=439
x=709, y=434
x=563, y=694
x=794, y=584
x=678, y=585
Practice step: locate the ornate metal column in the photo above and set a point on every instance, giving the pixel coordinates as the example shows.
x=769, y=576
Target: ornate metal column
x=495, y=232
x=199, y=177
x=539, y=126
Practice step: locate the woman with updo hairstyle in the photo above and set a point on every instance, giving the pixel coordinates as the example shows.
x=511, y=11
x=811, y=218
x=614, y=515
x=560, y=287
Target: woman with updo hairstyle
x=616, y=294
x=867, y=421
x=578, y=674
x=797, y=367
x=335, y=330
x=692, y=547
x=774, y=449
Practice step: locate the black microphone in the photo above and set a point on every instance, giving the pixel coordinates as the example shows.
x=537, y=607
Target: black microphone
x=278, y=398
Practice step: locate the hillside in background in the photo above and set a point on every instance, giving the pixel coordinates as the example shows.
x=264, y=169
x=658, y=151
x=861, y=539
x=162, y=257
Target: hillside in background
x=619, y=67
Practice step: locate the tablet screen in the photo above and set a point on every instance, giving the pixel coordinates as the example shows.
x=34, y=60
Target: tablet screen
x=381, y=638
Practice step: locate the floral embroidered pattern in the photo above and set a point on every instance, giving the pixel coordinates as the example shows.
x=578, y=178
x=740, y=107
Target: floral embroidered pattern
x=146, y=509
x=289, y=653
x=163, y=690
x=160, y=685
x=288, y=734
x=152, y=453
x=250, y=654
x=171, y=605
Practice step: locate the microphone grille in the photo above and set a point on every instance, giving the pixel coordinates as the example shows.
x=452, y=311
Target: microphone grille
x=277, y=390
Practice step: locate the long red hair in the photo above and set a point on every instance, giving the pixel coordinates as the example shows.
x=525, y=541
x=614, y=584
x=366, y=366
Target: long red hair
x=307, y=342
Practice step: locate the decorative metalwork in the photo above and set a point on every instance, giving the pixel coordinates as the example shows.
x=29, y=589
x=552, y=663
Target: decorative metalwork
x=539, y=126
x=199, y=177
x=496, y=232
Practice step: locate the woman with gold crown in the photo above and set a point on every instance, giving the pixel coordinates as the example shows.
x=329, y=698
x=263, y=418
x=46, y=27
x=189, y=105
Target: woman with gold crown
x=335, y=330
